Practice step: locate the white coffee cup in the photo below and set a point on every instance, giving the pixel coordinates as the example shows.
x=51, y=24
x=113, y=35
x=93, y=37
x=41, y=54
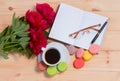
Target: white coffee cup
x=51, y=55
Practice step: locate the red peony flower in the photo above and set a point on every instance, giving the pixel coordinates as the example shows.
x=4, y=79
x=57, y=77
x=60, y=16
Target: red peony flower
x=38, y=40
x=47, y=12
x=39, y=21
x=36, y=20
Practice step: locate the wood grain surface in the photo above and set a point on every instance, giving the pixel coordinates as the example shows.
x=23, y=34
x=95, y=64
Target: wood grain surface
x=103, y=67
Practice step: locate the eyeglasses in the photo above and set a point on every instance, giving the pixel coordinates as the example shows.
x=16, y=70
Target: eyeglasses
x=75, y=34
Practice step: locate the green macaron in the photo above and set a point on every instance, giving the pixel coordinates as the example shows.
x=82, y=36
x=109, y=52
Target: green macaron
x=62, y=66
x=52, y=70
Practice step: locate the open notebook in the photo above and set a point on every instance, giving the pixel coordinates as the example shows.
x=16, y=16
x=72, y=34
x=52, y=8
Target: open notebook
x=70, y=19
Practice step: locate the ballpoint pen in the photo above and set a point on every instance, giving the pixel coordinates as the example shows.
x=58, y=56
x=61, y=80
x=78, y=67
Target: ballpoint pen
x=97, y=35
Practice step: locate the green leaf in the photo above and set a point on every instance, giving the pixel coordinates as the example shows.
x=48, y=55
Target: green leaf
x=23, y=34
x=4, y=55
x=46, y=33
x=13, y=37
x=4, y=32
x=30, y=52
x=1, y=45
x=14, y=20
x=25, y=39
x=24, y=44
x=22, y=19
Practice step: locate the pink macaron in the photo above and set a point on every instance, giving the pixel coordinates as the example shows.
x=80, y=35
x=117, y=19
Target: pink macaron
x=71, y=49
x=80, y=53
x=94, y=48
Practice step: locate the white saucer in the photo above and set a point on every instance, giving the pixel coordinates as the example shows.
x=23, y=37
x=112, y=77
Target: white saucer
x=65, y=56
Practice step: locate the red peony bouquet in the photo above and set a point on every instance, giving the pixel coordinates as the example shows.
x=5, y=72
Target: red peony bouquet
x=27, y=34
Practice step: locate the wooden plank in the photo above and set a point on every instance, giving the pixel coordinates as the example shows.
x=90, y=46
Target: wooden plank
x=14, y=69
x=79, y=75
x=84, y=4
x=103, y=67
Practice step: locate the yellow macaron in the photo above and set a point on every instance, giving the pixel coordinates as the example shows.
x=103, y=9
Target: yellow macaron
x=87, y=56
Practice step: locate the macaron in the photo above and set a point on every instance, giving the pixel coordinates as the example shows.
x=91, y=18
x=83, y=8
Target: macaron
x=42, y=66
x=94, y=48
x=52, y=70
x=87, y=55
x=78, y=63
x=62, y=66
x=80, y=53
x=71, y=49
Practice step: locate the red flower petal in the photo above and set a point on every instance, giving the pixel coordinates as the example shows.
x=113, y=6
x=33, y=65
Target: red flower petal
x=47, y=12
x=36, y=20
x=38, y=40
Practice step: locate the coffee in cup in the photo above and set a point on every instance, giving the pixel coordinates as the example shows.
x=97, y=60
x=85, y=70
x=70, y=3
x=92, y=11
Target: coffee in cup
x=52, y=56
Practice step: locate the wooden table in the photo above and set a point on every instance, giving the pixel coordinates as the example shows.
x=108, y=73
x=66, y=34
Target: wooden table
x=103, y=67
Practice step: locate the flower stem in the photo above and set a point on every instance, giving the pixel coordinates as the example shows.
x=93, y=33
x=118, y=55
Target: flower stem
x=10, y=46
